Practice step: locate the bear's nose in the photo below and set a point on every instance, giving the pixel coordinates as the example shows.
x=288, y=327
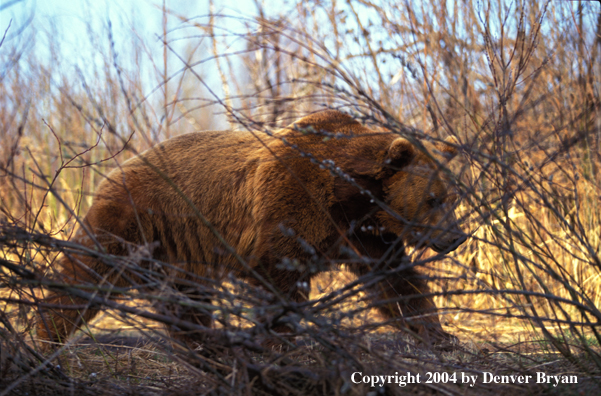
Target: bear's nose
x=459, y=241
x=447, y=248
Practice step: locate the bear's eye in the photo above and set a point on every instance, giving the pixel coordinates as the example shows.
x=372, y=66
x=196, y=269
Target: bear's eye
x=433, y=201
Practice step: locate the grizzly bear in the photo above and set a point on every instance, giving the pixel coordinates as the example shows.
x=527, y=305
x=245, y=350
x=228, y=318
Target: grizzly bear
x=212, y=204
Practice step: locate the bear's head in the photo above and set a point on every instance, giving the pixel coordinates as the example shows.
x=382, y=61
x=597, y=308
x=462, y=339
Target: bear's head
x=420, y=198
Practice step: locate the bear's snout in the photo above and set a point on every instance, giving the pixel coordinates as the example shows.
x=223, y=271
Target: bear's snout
x=448, y=246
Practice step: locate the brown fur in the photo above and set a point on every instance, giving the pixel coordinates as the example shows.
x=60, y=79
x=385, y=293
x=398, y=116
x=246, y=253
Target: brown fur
x=249, y=186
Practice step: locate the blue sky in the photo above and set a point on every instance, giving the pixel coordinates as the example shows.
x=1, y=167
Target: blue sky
x=70, y=17
x=74, y=12
x=68, y=21
x=76, y=28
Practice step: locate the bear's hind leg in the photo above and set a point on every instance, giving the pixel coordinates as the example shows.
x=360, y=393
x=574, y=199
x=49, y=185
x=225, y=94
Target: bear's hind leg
x=63, y=312
x=192, y=305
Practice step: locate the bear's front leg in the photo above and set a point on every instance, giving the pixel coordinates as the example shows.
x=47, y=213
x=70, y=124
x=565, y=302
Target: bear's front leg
x=415, y=305
x=405, y=297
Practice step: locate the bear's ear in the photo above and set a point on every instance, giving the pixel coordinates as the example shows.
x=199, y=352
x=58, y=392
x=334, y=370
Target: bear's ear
x=400, y=153
x=448, y=147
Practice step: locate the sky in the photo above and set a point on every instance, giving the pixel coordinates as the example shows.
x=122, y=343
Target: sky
x=73, y=20
x=70, y=17
x=74, y=12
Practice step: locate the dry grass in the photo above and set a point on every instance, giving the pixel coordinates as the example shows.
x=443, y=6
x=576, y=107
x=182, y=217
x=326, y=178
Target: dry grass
x=517, y=83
